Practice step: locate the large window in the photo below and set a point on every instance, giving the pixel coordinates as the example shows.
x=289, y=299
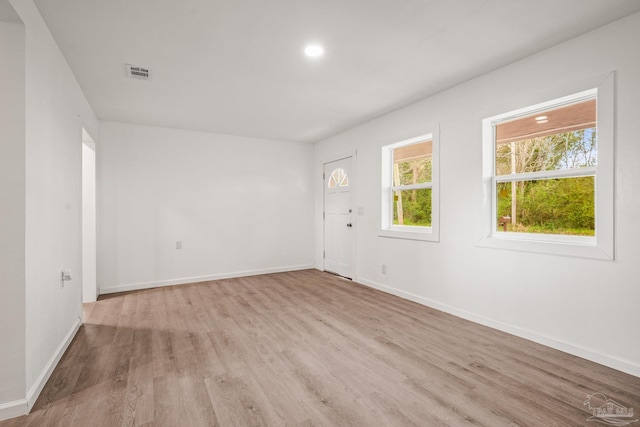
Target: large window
x=551, y=174
x=410, y=188
x=545, y=165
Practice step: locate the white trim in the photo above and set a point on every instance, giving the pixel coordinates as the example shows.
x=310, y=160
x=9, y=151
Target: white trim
x=38, y=385
x=545, y=247
x=549, y=174
x=387, y=229
x=602, y=246
x=575, y=349
x=605, y=180
x=544, y=106
x=408, y=232
x=421, y=186
x=15, y=408
x=340, y=156
x=551, y=238
x=196, y=279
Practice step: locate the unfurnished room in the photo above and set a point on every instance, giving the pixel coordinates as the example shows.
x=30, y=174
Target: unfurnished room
x=319, y=213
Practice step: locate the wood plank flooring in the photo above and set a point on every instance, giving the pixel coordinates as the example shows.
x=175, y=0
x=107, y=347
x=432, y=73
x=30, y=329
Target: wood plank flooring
x=307, y=349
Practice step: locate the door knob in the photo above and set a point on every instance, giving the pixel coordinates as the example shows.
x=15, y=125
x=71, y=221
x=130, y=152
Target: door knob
x=349, y=225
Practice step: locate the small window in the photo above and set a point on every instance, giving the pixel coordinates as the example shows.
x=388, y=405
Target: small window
x=338, y=178
x=412, y=165
x=550, y=172
x=410, y=188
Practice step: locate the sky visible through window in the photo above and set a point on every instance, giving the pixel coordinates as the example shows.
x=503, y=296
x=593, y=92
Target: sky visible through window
x=561, y=139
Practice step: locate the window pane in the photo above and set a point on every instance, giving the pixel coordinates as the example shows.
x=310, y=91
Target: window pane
x=556, y=139
x=412, y=163
x=549, y=206
x=554, y=152
x=338, y=178
x=412, y=207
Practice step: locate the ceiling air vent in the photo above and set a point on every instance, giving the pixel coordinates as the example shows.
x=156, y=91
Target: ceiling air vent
x=138, y=72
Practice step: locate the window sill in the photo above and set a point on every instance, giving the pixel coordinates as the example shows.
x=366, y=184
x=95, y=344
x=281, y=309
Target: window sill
x=571, y=246
x=411, y=233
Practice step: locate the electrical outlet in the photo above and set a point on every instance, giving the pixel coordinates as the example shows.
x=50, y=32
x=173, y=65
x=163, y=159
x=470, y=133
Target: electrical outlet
x=178, y=244
x=384, y=269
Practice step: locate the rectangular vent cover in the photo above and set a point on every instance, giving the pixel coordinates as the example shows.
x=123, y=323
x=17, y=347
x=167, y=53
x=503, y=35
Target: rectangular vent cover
x=138, y=72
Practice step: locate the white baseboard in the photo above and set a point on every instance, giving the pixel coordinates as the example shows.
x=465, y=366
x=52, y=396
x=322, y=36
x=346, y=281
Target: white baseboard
x=13, y=409
x=42, y=379
x=197, y=279
x=626, y=366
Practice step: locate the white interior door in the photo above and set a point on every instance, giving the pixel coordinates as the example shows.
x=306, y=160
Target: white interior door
x=339, y=230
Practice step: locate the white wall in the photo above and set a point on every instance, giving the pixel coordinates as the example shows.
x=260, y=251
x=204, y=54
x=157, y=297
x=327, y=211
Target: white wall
x=12, y=227
x=55, y=109
x=238, y=205
x=586, y=307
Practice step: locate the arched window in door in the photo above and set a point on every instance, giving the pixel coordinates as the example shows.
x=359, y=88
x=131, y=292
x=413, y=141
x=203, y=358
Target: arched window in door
x=338, y=178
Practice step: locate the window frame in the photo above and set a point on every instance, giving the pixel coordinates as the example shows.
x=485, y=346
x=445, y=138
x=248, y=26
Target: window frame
x=412, y=232
x=600, y=246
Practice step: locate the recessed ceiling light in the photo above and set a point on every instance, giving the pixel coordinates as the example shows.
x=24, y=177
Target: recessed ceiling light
x=314, y=51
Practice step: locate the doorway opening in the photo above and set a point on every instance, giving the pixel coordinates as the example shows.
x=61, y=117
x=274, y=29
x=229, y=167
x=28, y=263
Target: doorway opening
x=89, y=258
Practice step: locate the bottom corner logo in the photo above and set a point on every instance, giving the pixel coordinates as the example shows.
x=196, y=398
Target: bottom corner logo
x=607, y=411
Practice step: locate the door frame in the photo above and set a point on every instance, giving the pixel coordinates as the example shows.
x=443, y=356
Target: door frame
x=89, y=239
x=353, y=182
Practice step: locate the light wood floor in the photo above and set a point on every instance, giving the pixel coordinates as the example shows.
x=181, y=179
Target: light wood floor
x=307, y=348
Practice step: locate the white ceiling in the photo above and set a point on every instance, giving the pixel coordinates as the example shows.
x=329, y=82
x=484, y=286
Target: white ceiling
x=236, y=66
x=7, y=13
